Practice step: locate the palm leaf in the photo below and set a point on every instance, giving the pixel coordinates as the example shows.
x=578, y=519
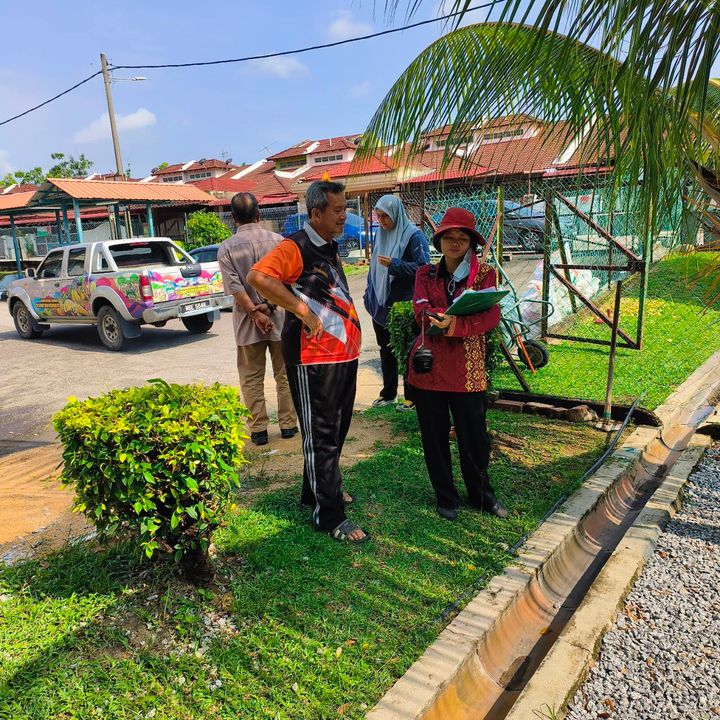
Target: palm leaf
x=490, y=69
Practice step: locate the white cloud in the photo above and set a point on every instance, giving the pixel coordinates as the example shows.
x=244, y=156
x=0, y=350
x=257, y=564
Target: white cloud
x=282, y=67
x=100, y=129
x=5, y=165
x=344, y=26
x=361, y=90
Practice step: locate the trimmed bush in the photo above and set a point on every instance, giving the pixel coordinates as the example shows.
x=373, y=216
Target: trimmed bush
x=205, y=228
x=159, y=461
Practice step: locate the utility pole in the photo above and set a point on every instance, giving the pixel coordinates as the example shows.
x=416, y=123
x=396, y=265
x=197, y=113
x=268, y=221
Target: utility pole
x=111, y=113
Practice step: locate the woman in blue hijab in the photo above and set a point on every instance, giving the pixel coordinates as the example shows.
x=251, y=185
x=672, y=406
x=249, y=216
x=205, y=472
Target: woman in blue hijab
x=399, y=249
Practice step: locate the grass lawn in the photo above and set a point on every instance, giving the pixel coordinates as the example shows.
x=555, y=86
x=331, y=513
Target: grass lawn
x=297, y=625
x=679, y=337
x=354, y=269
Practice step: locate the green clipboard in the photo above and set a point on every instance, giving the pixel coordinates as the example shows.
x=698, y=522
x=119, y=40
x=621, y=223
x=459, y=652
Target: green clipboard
x=472, y=301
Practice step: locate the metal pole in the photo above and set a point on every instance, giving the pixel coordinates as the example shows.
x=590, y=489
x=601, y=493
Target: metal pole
x=607, y=411
x=151, y=224
x=111, y=113
x=500, y=220
x=367, y=226
x=118, y=225
x=78, y=220
x=66, y=223
x=16, y=246
x=57, y=225
x=546, y=261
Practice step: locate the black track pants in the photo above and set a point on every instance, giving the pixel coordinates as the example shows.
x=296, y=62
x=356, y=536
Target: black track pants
x=468, y=411
x=324, y=396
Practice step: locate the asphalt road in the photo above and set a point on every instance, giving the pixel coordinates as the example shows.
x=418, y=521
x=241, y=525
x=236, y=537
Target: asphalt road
x=37, y=376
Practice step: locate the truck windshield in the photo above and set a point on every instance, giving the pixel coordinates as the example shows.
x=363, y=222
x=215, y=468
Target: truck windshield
x=139, y=253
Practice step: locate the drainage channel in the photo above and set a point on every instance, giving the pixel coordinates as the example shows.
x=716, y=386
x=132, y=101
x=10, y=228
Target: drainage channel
x=511, y=651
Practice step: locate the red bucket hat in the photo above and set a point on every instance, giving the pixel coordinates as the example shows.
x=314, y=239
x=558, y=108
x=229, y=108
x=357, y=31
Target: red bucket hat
x=457, y=219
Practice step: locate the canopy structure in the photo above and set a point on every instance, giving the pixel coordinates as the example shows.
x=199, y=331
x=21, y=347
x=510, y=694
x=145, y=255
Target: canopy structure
x=57, y=195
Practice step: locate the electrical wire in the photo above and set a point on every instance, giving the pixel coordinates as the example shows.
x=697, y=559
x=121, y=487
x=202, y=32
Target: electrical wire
x=47, y=102
x=284, y=53
x=297, y=51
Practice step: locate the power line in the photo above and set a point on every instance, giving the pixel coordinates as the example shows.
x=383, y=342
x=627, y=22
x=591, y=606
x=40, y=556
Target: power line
x=297, y=51
x=47, y=102
x=284, y=53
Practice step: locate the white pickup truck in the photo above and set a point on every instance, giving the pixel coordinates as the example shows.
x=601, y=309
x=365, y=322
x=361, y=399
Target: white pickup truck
x=118, y=285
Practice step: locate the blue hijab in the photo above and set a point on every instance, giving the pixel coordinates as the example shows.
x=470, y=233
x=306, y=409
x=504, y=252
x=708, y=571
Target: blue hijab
x=389, y=242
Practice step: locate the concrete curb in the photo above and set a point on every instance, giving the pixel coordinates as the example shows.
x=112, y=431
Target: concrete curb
x=565, y=667
x=441, y=683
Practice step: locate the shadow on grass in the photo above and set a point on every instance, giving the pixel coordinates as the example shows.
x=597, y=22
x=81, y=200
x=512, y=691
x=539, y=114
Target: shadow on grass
x=320, y=624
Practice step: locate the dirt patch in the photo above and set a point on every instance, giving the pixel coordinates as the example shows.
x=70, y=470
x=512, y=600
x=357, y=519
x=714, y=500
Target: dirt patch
x=35, y=511
x=277, y=464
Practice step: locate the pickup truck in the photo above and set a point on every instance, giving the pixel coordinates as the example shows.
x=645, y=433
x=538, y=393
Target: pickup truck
x=118, y=285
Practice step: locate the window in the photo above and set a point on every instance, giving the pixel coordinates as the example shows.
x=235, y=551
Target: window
x=172, y=178
x=76, y=262
x=137, y=254
x=464, y=140
x=100, y=261
x=502, y=134
x=51, y=266
x=328, y=158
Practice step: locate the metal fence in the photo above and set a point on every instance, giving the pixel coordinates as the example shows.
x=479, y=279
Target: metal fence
x=37, y=240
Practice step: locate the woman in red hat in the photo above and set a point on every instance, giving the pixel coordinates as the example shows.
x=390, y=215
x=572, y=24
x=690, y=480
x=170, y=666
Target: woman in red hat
x=455, y=379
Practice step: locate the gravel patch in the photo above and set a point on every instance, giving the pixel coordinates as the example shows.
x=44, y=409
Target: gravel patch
x=661, y=659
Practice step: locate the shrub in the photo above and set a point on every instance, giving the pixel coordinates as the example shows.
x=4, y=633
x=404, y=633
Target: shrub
x=159, y=461
x=403, y=331
x=205, y=228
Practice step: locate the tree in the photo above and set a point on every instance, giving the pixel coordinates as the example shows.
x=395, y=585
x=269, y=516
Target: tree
x=205, y=228
x=69, y=167
x=645, y=101
x=64, y=167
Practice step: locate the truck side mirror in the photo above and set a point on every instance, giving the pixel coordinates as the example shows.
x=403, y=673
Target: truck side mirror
x=30, y=272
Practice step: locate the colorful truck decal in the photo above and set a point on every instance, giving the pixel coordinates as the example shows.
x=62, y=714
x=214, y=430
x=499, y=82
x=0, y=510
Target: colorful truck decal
x=167, y=287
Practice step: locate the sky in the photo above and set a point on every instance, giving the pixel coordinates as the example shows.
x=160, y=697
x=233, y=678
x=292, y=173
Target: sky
x=242, y=111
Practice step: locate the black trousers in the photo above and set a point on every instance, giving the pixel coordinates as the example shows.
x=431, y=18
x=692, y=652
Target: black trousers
x=388, y=363
x=324, y=396
x=468, y=411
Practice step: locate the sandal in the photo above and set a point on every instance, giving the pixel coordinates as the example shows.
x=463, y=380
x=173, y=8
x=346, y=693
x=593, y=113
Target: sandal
x=344, y=529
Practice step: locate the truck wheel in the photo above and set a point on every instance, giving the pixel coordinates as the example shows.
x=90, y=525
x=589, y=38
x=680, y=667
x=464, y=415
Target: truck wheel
x=110, y=328
x=23, y=322
x=197, y=324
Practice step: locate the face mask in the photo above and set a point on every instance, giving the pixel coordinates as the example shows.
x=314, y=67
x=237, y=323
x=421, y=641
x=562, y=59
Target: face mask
x=463, y=269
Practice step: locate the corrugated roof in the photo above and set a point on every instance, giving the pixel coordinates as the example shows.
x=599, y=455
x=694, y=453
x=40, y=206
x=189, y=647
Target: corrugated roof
x=127, y=191
x=15, y=201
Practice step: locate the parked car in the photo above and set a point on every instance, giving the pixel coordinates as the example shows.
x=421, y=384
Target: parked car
x=204, y=254
x=118, y=286
x=5, y=285
x=352, y=239
x=524, y=225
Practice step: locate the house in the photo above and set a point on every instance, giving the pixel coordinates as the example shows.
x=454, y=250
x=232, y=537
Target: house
x=191, y=171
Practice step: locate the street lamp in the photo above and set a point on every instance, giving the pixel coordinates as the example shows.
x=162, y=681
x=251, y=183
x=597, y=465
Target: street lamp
x=111, y=111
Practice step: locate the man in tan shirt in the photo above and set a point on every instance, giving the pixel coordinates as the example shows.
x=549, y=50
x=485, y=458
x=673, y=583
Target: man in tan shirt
x=257, y=323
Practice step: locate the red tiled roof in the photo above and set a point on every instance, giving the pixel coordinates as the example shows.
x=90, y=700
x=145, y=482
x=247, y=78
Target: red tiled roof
x=346, y=169
x=454, y=171
x=486, y=125
x=24, y=187
x=262, y=182
x=169, y=170
x=343, y=142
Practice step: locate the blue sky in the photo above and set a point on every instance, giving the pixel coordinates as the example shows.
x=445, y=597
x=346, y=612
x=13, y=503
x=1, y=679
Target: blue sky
x=183, y=114
x=246, y=110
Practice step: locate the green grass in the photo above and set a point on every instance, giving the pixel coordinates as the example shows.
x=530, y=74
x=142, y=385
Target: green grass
x=678, y=338
x=298, y=625
x=355, y=269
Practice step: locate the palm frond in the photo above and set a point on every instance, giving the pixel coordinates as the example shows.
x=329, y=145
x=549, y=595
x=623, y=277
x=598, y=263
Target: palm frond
x=489, y=70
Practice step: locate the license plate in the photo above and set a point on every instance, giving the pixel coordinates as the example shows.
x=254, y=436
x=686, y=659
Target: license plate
x=193, y=307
